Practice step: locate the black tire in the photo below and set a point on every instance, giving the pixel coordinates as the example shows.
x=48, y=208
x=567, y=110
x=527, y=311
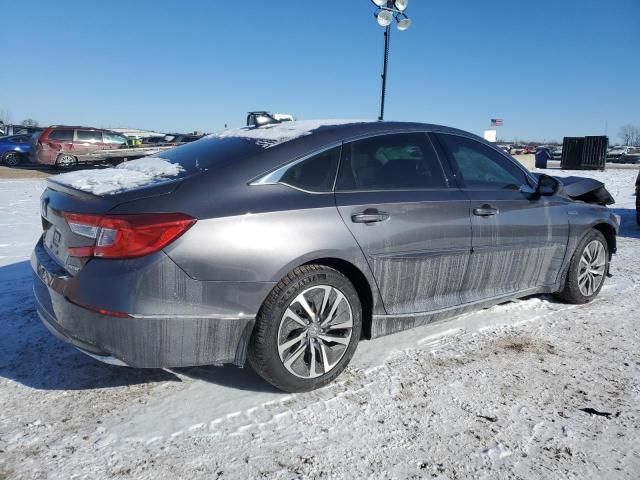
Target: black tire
x=66, y=161
x=572, y=292
x=264, y=356
x=12, y=159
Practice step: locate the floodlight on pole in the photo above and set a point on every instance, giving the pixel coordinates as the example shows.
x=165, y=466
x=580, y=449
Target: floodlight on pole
x=386, y=12
x=401, y=5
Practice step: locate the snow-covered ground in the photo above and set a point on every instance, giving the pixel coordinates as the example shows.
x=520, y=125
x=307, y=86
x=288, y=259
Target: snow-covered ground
x=528, y=389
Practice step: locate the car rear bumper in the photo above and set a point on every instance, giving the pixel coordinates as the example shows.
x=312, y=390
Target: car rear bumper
x=137, y=340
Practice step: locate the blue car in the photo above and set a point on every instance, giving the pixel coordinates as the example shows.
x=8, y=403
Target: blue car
x=14, y=149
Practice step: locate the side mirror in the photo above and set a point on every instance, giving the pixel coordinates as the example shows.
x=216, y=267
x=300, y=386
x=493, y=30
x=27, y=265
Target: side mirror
x=547, y=185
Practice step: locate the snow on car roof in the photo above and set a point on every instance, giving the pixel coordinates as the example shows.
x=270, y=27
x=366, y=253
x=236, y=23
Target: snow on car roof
x=126, y=176
x=271, y=135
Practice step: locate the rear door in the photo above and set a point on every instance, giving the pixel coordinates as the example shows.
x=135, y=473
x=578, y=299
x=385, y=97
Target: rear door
x=411, y=223
x=50, y=145
x=518, y=242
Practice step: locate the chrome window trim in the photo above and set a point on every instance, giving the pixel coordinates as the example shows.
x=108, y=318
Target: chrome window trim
x=274, y=176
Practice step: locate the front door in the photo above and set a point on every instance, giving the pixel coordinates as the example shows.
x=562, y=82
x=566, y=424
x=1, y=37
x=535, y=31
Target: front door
x=518, y=243
x=411, y=224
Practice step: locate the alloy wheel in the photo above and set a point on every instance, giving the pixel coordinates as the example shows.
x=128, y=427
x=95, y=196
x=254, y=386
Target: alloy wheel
x=592, y=268
x=12, y=159
x=66, y=161
x=315, y=331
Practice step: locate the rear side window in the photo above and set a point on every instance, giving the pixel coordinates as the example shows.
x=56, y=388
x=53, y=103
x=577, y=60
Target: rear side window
x=61, y=135
x=114, y=138
x=404, y=161
x=315, y=174
x=482, y=167
x=90, y=136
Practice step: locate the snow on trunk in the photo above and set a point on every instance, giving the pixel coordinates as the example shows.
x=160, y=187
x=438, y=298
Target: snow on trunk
x=126, y=176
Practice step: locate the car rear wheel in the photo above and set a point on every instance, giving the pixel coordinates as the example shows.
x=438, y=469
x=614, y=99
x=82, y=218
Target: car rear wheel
x=12, y=159
x=307, y=329
x=66, y=161
x=587, y=270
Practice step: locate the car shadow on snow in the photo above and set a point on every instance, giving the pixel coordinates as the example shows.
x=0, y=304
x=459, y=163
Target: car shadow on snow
x=228, y=376
x=32, y=356
x=629, y=227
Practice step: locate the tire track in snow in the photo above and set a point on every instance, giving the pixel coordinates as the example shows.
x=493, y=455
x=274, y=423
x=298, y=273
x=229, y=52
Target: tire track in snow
x=360, y=375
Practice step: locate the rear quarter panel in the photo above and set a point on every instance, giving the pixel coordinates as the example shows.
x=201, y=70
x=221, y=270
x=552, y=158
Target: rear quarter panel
x=254, y=233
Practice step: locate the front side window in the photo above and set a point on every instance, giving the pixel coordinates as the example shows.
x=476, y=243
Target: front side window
x=61, y=135
x=89, y=136
x=405, y=161
x=314, y=174
x=481, y=166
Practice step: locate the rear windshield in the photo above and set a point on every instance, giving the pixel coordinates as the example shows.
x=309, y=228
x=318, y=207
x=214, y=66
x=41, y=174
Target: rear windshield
x=209, y=153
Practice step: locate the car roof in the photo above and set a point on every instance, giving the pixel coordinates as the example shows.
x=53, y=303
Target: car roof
x=316, y=133
x=291, y=140
x=76, y=127
x=8, y=137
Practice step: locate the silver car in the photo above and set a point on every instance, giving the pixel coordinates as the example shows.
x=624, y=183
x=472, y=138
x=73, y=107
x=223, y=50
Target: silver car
x=285, y=245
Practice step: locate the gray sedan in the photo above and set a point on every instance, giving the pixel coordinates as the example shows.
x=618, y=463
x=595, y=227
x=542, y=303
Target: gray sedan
x=285, y=245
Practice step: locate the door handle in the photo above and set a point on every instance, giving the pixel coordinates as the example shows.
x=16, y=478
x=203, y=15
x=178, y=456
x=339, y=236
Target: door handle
x=370, y=216
x=485, y=211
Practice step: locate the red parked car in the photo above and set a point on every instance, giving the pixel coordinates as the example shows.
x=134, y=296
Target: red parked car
x=66, y=146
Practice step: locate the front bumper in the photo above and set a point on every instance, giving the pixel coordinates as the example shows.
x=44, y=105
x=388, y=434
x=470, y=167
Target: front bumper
x=147, y=341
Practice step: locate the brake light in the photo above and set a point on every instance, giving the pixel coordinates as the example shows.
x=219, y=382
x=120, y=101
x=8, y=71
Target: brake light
x=126, y=236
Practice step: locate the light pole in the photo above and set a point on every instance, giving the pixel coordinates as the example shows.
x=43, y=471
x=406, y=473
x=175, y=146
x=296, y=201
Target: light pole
x=386, y=12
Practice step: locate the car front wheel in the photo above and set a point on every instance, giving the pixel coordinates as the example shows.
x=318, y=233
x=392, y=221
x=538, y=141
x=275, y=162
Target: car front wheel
x=587, y=270
x=307, y=329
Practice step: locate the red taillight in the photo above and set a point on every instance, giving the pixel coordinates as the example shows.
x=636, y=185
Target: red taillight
x=126, y=236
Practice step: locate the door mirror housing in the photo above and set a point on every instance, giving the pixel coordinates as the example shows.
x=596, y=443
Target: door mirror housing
x=547, y=185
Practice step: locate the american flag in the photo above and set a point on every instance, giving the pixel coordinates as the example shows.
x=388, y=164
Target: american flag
x=496, y=122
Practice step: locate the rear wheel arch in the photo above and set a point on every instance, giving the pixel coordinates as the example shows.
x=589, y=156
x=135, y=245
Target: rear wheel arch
x=359, y=281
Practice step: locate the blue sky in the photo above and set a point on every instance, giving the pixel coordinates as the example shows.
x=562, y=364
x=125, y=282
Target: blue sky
x=549, y=68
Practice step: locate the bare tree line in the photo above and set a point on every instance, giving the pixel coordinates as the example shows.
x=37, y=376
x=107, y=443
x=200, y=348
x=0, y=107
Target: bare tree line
x=630, y=135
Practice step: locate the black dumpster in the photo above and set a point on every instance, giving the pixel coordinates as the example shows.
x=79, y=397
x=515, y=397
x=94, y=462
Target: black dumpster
x=572, y=153
x=584, y=153
x=594, y=152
